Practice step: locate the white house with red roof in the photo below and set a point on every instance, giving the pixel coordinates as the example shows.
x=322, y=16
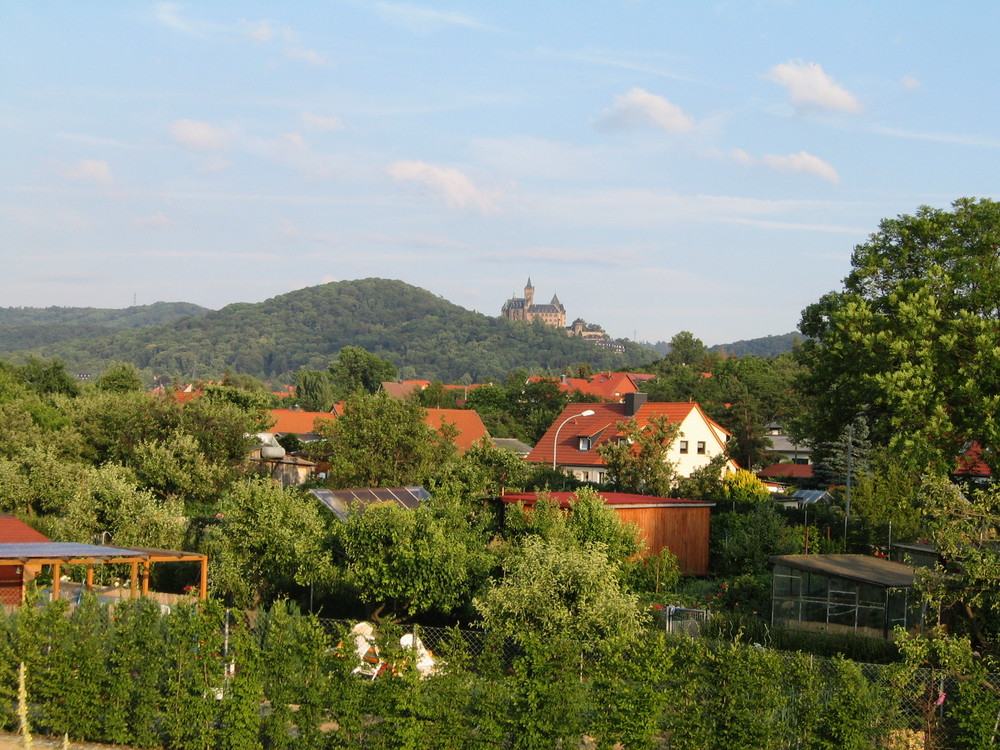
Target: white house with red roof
x=700, y=438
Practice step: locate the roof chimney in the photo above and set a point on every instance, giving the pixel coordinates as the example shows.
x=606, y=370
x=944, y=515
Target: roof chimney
x=633, y=402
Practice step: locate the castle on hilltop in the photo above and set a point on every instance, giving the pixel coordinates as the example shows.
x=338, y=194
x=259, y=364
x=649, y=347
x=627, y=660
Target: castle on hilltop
x=524, y=308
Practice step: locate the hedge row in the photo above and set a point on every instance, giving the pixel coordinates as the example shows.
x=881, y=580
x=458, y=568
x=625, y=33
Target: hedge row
x=205, y=678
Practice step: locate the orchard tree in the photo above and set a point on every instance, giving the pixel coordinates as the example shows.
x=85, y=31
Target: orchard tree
x=913, y=340
x=382, y=441
x=638, y=460
x=559, y=588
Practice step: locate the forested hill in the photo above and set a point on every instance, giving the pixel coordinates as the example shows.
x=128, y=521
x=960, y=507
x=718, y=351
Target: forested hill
x=424, y=335
x=26, y=328
x=768, y=346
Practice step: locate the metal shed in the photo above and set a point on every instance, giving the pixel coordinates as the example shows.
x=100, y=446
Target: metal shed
x=844, y=594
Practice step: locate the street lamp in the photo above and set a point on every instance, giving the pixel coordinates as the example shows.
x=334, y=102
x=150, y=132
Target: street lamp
x=555, y=445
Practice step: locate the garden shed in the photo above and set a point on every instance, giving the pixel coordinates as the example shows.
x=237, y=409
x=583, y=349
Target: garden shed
x=679, y=525
x=855, y=594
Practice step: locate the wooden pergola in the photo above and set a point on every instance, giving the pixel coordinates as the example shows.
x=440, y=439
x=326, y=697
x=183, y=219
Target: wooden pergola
x=35, y=555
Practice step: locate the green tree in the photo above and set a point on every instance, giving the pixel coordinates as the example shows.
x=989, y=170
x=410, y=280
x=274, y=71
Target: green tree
x=120, y=377
x=743, y=486
x=913, y=340
x=313, y=390
x=48, y=377
x=381, y=441
x=265, y=542
x=553, y=588
x=638, y=460
x=413, y=560
x=356, y=370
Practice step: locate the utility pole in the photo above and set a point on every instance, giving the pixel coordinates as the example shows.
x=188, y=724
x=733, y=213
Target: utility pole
x=847, y=506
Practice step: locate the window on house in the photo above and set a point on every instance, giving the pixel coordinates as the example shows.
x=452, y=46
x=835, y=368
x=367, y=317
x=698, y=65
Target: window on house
x=701, y=447
x=683, y=446
x=586, y=476
x=585, y=443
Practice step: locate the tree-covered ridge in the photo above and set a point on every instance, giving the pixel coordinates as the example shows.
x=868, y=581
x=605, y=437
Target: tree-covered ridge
x=31, y=328
x=422, y=334
x=137, y=316
x=766, y=346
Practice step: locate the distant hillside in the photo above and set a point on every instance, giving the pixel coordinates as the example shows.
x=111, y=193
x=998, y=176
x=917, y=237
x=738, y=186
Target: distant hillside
x=768, y=346
x=25, y=328
x=424, y=335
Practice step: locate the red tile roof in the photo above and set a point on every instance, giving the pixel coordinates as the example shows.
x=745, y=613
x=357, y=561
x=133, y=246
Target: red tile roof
x=600, y=428
x=565, y=499
x=971, y=463
x=13, y=531
x=610, y=386
x=297, y=422
x=792, y=471
x=470, y=427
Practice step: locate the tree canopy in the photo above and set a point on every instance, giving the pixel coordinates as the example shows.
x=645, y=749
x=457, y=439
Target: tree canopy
x=912, y=341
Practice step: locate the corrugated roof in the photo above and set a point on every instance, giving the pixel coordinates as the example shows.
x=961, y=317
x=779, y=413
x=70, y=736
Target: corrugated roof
x=861, y=568
x=63, y=550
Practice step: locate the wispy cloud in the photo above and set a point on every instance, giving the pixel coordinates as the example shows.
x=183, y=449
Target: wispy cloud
x=198, y=135
x=639, y=108
x=809, y=87
x=158, y=220
x=597, y=258
x=91, y=140
x=261, y=31
x=611, y=61
x=801, y=162
x=962, y=140
x=321, y=123
x=169, y=15
x=910, y=83
x=94, y=171
x=422, y=20
x=456, y=188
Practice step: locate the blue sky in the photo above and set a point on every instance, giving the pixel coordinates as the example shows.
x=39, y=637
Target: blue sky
x=661, y=166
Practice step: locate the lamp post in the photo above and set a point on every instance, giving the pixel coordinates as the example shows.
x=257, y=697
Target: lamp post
x=555, y=445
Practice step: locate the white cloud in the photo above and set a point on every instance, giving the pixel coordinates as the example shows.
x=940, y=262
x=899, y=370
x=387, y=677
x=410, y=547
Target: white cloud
x=810, y=87
x=310, y=56
x=198, y=135
x=321, y=122
x=168, y=15
x=258, y=31
x=800, y=162
x=639, y=108
x=910, y=83
x=457, y=189
x=158, y=220
x=91, y=170
x=423, y=20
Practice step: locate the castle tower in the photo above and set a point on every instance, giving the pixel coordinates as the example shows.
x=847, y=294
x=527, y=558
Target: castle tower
x=529, y=294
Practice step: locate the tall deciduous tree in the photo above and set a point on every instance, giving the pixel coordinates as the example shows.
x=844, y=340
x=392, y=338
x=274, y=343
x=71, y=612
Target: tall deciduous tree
x=913, y=340
x=357, y=370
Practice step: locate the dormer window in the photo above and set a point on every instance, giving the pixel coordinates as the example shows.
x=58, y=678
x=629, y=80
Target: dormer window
x=584, y=443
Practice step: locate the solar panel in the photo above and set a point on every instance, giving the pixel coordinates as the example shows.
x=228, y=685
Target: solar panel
x=341, y=502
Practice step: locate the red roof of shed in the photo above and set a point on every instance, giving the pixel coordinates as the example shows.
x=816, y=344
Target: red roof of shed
x=14, y=531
